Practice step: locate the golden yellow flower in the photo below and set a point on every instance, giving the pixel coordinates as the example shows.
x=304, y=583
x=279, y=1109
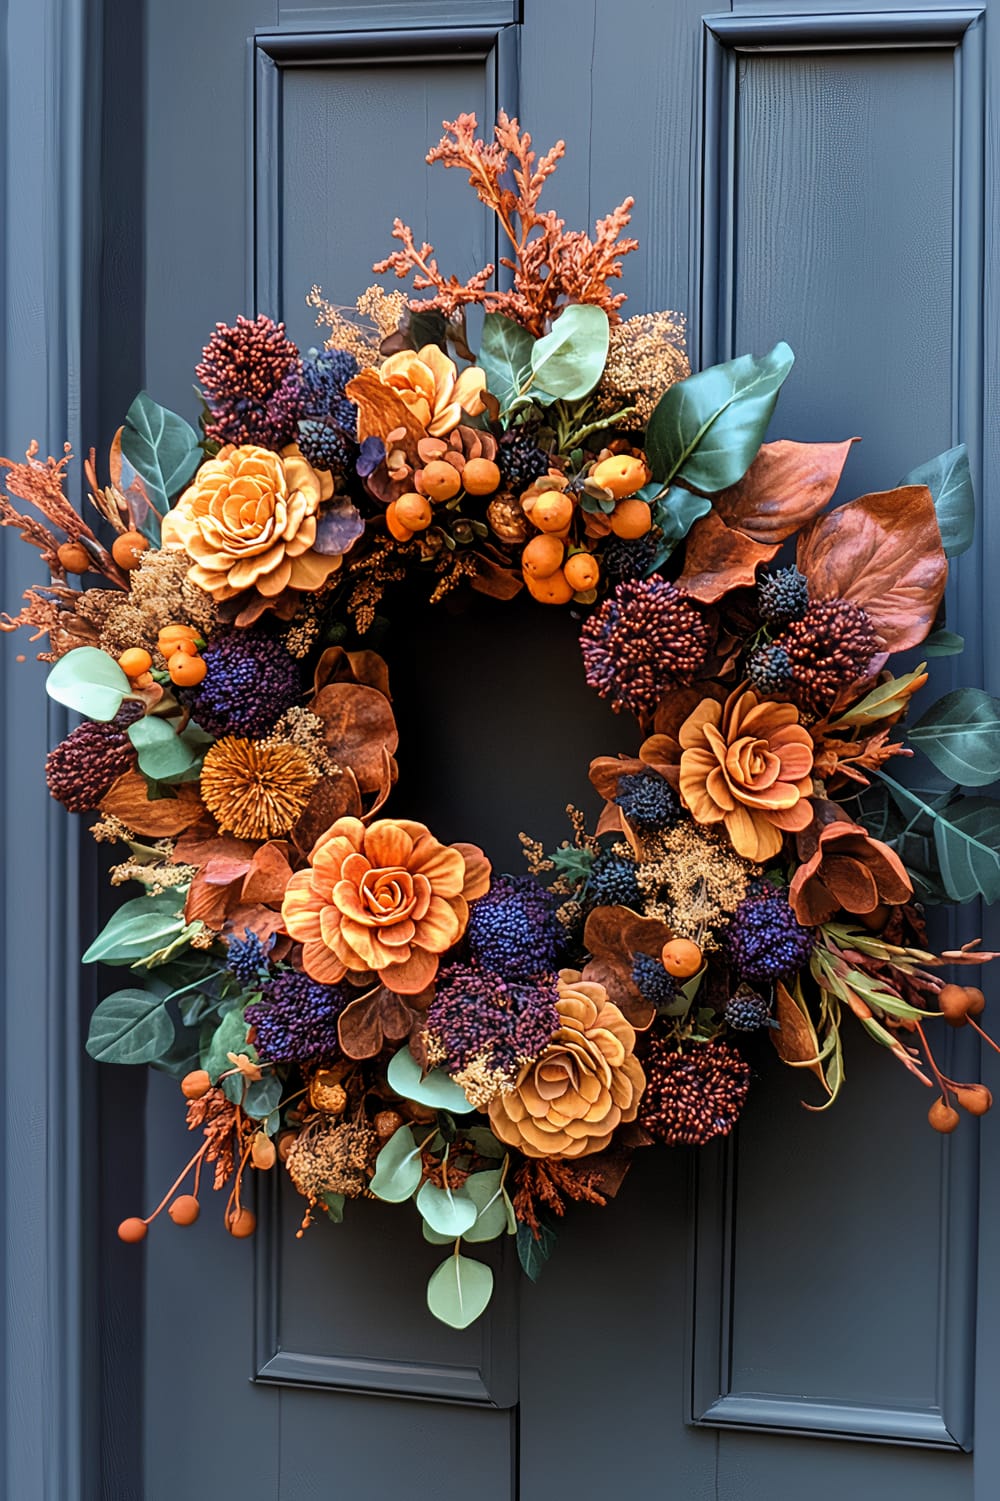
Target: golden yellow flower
x=747, y=764
x=429, y=384
x=587, y=1083
x=256, y=789
x=248, y=520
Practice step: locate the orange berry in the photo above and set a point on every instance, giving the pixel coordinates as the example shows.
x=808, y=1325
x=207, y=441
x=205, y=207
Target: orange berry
x=128, y=549
x=413, y=511
x=623, y=474
x=263, y=1152
x=135, y=662
x=171, y=634
x=975, y=1098
x=74, y=557
x=132, y=1231
x=397, y=529
x=190, y=648
x=954, y=1004
x=582, y=571
x=241, y=1223
x=542, y=556
x=631, y=519
x=184, y=1210
x=480, y=476
x=942, y=1117
x=144, y=680
x=554, y=590
x=552, y=511
x=976, y=1001
x=286, y=1141
x=681, y=958
x=196, y=1084
x=186, y=671
x=439, y=480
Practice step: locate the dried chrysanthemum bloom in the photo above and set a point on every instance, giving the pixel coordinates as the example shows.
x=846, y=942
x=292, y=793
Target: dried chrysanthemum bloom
x=256, y=789
x=646, y=356
x=692, y=879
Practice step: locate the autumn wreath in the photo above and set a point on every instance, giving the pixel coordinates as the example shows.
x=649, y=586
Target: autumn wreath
x=338, y=990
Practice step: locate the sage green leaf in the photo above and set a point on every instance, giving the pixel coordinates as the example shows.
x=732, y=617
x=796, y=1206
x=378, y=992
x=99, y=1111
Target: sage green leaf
x=398, y=1168
x=707, y=429
x=163, y=755
x=435, y=1089
x=943, y=644
x=949, y=480
x=230, y=1036
x=532, y=1253
x=505, y=357
x=262, y=1095
x=88, y=681
x=433, y=1238
x=486, y=1192
x=161, y=447
x=448, y=1211
x=130, y=1026
x=143, y=924
x=334, y=1206
x=967, y=840
x=459, y=1291
x=960, y=735
x=568, y=361
x=485, y=1143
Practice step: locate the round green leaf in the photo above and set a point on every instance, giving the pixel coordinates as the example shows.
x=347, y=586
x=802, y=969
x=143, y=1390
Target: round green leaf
x=161, y=447
x=433, y=1238
x=569, y=361
x=88, y=681
x=398, y=1168
x=435, y=1089
x=130, y=1026
x=262, y=1096
x=162, y=753
x=448, y=1211
x=486, y=1192
x=505, y=357
x=459, y=1291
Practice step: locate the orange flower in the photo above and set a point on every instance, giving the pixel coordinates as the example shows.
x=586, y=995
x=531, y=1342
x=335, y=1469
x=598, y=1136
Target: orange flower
x=388, y=899
x=850, y=870
x=747, y=763
x=587, y=1083
x=248, y=520
x=429, y=384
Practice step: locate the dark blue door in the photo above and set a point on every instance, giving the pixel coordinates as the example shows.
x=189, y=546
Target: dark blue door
x=810, y=1313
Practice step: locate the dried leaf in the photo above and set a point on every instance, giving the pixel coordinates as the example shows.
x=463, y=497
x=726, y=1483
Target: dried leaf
x=717, y=559
x=380, y=410
x=333, y=797
x=606, y=770
x=268, y=876
x=366, y=1024
x=795, y=1040
x=613, y=936
x=495, y=581
x=359, y=727
x=786, y=486
x=163, y=818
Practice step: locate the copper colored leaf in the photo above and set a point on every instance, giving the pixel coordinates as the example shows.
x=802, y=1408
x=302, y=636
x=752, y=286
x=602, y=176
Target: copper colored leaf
x=359, y=725
x=795, y=1040
x=333, y=797
x=614, y=935
x=606, y=770
x=785, y=487
x=264, y=921
x=207, y=902
x=882, y=552
x=717, y=559
x=202, y=844
x=163, y=818
x=366, y=1024
x=604, y=1171
x=380, y=410
x=268, y=875
x=336, y=665
x=223, y=870
x=495, y=581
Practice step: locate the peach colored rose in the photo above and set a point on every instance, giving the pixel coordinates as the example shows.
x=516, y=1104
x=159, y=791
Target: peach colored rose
x=747, y=764
x=388, y=900
x=429, y=384
x=587, y=1083
x=248, y=521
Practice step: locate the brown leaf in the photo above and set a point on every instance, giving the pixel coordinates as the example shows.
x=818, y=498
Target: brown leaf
x=606, y=770
x=795, y=1040
x=883, y=552
x=610, y=821
x=717, y=559
x=333, y=797
x=207, y=902
x=380, y=410
x=163, y=818
x=365, y=1024
x=494, y=580
x=201, y=845
x=604, y=1171
x=264, y=921
x=613, y=936
x=359, y=725
x=339, y=666
x=223, y=870
x=268, y=875
x=785, y=487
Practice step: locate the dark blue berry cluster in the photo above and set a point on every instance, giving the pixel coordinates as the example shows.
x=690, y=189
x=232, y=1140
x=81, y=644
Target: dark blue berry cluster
x=612, y=882
x=296, y=1019
x=652, y=981
x=250, y=681
x=478, y=1015
x=782, y=596
x=746, y=1011
x=247, y=959
x=647, y=801
x=765, y=939
x=513, y=928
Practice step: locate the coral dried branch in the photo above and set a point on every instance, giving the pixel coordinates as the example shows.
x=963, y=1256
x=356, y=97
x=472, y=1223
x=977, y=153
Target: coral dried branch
x=41, y=485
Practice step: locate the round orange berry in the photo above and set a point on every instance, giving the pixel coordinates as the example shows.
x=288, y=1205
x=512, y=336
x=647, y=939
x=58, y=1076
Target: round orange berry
x=623, y=474
x=681, y=958
x=582, y=571
x=439, y=480
x=542, y=556
x=396, y=528
x=135, y=662
x=196, y=1084
x=186, y=671
x=413, y=511
x=127, y=549
x=943, y=1117
x=554, y=590
x=480, y=476
x=241, y=1223
x=552, y=511
x=74, y=557
x=169, y=634
x=132, y=1231
x=184, y=1210
x=975, y=1098
x=631, y=519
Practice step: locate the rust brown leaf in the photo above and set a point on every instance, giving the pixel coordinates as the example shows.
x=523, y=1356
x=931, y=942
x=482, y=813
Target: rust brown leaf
x=613, y=936
x=606, y=770
x=717, y=558
x=333, y=797
x=794, y=1039
x=380, y=410
x=494, y=580
x=268, y=876
x=336, y=665
x=366, y=1024
x=786, y=486
x=163, y=818
x=359, y=726
x=883, y=552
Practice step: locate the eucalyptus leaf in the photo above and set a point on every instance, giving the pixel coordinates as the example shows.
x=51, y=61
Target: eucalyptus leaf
x=505, y=357
x=161, y=447
x=485, y=1143
x=486, y=1192
x=435, y=1089
x=707, y=429
x=333, y=1204
x=230, y=1036
x=88, y=681
x=262, y=1095
x=532, y=1253
x=448, y=1211
x=145, y=923
x=459, y=1291
x=568, y=361
x=433, y=1238
x=943, y=644
x=960, y=735
x=163, y=755
x=949, y=480
x=398, y=1168
x=130, y=1026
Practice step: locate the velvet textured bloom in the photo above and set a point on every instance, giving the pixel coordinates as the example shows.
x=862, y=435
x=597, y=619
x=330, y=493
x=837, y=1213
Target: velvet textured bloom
x=295, y=1020
x=250, y=681
x=585, y=1084
x=244, y=374
x=428, y=382
x=389, y=900
x=644, y=640
x=851, y=871
x=513, y=928
x=747, y=764
x=249, y=521
x=765, y=939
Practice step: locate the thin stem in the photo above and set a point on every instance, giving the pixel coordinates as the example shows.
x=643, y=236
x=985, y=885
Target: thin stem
x=178, y=1181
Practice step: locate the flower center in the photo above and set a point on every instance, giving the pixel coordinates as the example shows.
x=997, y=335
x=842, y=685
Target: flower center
x=387, y=895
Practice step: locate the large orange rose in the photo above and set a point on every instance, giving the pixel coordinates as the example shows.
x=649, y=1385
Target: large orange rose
x=428, y=383
x=747, y=764
x=587, y=1083
x=248, y=520
x=388, y=899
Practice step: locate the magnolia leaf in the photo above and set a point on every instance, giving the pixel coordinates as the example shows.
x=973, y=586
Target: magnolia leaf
x=459, y=1291
x=967, y=841
x=358, y=726
x=676, y=513
x=949, y=480
x=448, y=1211
x=435, y=1089
x=143, y=924
x=707, y=429
x=568, y=362
x=944, y=644
x=719, y=558
x=505, y=356
x=398, y=1168
x=163, y=817
x=794, y=1039
x=89, y=681
x=130, y=1026
x=486, y=1192
x=230, y=1036
x=786, y=486
x=162, y=448
x=532, y=1253
x=163, y=754
x=960, y=735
